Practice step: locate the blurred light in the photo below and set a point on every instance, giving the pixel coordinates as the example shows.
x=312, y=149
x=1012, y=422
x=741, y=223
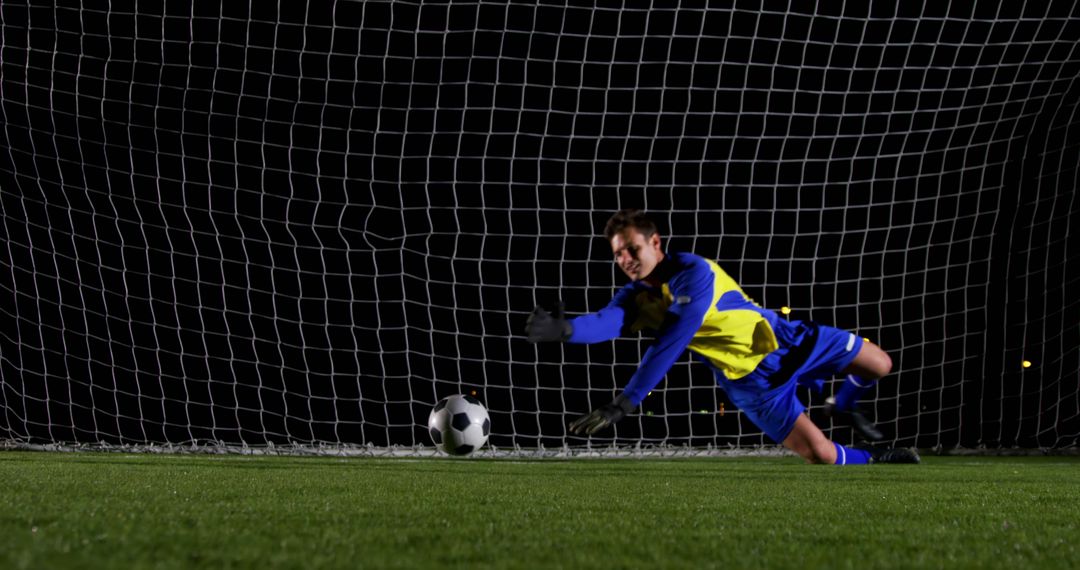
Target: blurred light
x=1026, y=364
x=785, y=310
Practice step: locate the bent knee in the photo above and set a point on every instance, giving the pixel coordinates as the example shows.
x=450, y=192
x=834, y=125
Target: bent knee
x=882, y=364
x=876, y=364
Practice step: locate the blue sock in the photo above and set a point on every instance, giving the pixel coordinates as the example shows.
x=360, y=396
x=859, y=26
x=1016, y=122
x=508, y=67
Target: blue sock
x=850, y=456
x=851, y=391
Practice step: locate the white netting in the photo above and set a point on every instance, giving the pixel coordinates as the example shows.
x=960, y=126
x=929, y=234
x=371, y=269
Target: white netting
x=303, y=223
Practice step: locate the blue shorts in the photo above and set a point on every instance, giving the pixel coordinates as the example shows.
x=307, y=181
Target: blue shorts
x=808, y=355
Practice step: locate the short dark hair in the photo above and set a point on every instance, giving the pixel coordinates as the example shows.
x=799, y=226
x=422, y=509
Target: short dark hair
x=629, y=218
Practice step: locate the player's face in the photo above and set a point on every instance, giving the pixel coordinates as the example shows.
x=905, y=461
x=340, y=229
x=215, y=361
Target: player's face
x=636, y=254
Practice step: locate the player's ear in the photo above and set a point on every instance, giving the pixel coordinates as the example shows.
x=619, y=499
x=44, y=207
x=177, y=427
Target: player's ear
x=654, y=241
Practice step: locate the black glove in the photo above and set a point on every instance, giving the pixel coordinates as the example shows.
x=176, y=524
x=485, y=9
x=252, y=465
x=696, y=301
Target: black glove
x=544, y=326
x=603, y=416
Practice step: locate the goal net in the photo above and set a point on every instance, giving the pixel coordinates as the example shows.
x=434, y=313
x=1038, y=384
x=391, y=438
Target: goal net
x=248, y=225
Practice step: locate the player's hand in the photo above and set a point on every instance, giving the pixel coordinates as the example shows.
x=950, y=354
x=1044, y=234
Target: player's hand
x=544, y=326
x=603, y=416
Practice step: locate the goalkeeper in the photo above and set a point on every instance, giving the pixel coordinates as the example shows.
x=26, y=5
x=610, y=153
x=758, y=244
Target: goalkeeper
x=759, y=359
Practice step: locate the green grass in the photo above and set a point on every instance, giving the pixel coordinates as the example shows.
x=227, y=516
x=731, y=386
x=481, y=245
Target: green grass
x=63, y=510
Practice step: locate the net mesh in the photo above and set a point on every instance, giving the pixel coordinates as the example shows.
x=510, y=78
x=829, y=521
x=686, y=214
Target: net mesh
x=302, y=224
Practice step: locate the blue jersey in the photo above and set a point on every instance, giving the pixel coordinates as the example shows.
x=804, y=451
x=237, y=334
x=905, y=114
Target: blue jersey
x=697, y=307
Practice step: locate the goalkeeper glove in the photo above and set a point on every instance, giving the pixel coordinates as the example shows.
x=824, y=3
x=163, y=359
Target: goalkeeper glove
x=545, y=326
x=603, y=416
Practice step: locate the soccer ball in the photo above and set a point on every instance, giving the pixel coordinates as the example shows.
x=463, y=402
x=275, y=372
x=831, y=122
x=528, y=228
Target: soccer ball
x=459, y=424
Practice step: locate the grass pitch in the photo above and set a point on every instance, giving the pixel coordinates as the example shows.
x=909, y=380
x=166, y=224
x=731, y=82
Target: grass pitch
x=64, y=510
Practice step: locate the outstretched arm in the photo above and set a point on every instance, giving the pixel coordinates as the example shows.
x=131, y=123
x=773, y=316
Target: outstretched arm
x=544, y=326
x=693, y=292
x=680, y=324
x=605, y=324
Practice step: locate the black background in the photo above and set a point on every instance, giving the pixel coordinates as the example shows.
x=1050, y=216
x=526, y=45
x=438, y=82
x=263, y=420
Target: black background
x=306, y=223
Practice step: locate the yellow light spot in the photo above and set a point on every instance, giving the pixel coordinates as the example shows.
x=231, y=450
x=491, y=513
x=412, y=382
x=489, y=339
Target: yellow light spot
x=473, y=393
x=1026, y=364
x=704, y=411
x=785, y=310
x=866, y=339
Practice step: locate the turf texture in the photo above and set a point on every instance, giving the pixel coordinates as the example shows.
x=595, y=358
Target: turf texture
x=89, y=510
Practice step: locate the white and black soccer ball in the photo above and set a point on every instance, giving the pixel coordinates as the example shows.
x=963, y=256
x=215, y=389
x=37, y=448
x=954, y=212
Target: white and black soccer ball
x=459, y=424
